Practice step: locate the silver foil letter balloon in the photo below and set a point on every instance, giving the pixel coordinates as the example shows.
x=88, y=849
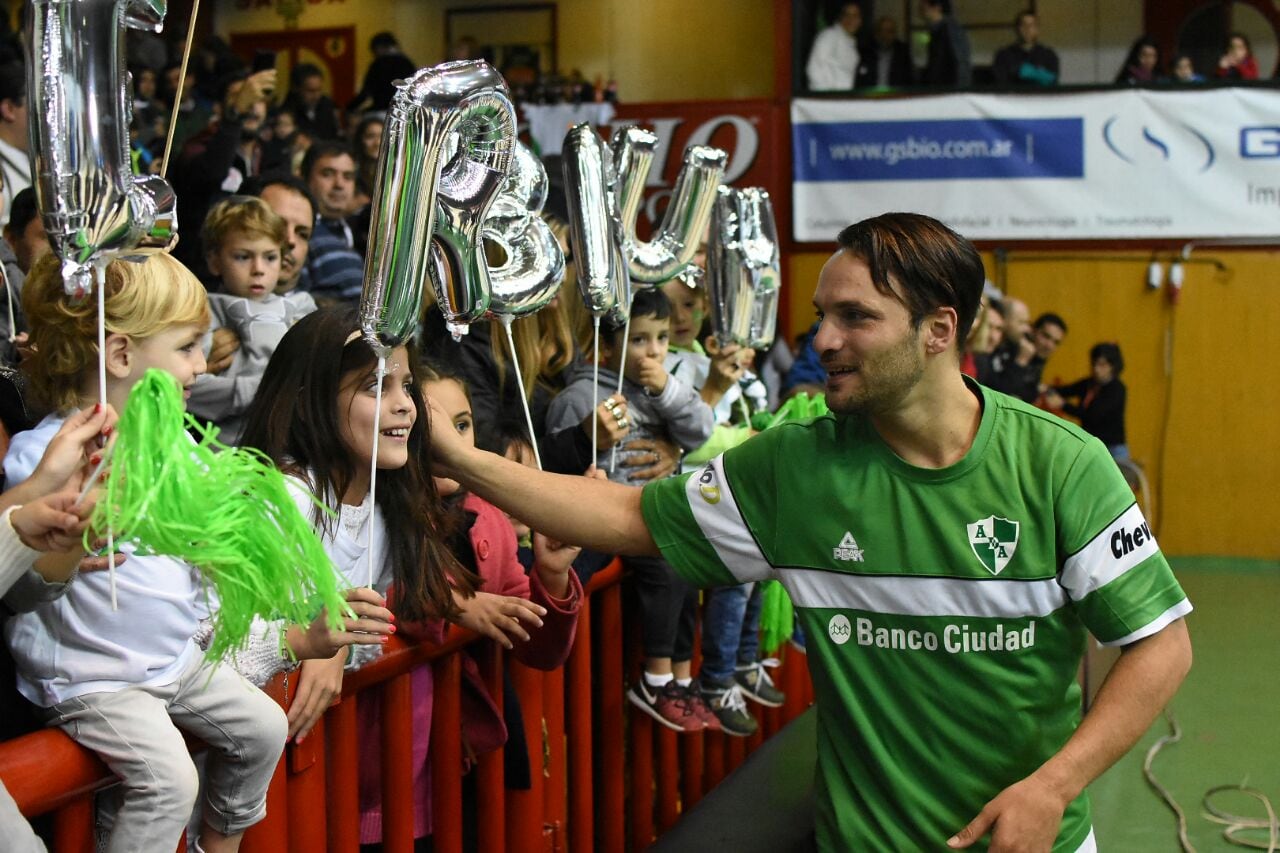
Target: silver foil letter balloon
x=431, y=135
x=476, y=115
x=743, y=268
x=94, y=207
x=676, y=240
x=594, y=227
x=529, y=277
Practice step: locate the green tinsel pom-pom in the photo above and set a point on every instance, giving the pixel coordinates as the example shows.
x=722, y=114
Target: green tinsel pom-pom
x=224, y=510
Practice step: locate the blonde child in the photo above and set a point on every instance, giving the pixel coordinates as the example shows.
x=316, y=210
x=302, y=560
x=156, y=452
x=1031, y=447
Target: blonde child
x=127, y=682
x=244, y=240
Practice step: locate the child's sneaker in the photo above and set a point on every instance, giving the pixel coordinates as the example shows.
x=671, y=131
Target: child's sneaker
x=757, y=685
x=726, y=702
x=701, y=709
x=668, y=704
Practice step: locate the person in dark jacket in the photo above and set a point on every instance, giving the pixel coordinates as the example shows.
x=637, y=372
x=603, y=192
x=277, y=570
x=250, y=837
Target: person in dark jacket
x=886, y=60
x=314, y=112
x=389, y=65
x=1097, y=401
x=949, y=59
x=1026, y=62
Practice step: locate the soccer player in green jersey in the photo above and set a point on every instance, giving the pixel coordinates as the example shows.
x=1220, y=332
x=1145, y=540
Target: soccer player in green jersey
x=946, y=547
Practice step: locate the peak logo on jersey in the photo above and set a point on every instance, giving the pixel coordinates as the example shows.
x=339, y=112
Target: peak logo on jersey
x=839, y=629
x=993, y=540
x=848, y=549
x=707, y=485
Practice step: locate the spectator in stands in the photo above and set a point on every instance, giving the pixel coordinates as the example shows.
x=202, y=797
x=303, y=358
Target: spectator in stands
x=148, y=112
x=24, y=236
x=1184, y=70
x=658, y=404
x=335, y=268
x=215, y=162
x=367, y=143
x=833, y=59
x=15, y=167
x=314, y=112
x=1026, y=62
x=886, y=60
x=949, y=62
x=1098, y=400
x=389, y=65
x=195, y=111
x=290, y=199
x=243, y=241
x=1142, y=64
x=807, y=375
x=1017, y=367
x=1237, y=62
x=984, y=336
x=287, y=145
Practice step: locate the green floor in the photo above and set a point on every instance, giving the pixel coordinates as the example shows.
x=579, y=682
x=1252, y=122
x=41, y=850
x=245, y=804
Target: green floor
x=1229, y=709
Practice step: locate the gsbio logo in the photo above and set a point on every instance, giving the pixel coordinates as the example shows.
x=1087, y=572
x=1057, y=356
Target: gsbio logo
x=839, y=629
x=1174, y=144
x=1262, y=142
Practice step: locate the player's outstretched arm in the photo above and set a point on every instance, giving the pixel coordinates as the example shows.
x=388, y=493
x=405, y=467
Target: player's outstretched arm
x=1027, y=815
x=582, y=511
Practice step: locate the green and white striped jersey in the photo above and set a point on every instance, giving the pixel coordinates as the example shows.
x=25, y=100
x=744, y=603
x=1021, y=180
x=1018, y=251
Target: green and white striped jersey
x=944, y=609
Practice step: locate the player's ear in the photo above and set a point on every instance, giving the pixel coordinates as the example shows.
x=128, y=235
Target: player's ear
x=940, y=329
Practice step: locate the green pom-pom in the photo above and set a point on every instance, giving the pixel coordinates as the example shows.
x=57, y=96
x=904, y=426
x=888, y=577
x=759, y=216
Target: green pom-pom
x=777, y=617
x=224, y=510
x=798, y=408
x=761, y=421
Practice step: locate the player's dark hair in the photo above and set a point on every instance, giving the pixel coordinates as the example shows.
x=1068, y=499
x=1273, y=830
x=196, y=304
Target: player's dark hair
x=932, y=266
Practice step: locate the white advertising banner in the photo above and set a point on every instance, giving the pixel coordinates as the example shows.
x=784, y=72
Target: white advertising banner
x=1120, y=164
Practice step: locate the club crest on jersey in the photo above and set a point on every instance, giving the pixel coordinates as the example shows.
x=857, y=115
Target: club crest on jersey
x=993, y=540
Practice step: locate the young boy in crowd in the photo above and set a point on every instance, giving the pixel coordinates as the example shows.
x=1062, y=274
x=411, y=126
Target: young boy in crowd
x=658, y=406
x=731, y=666
x=244, y=242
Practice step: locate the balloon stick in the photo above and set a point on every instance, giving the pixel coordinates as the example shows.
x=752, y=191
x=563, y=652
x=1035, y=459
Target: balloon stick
x=373, y=462
x=100, y=270
x=622, y=364
x=524, y=399
x=182, y=80
x=595, y=394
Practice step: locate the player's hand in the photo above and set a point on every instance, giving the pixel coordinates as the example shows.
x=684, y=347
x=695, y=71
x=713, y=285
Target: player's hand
x=448, y=448
x=222, y=351
x=658, y=456
x=1023, y=818
x=652, y=375
x=613, y=420
x=499, y=617
x=319, y=685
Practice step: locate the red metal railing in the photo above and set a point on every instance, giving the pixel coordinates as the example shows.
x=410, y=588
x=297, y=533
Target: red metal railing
x=588, y=754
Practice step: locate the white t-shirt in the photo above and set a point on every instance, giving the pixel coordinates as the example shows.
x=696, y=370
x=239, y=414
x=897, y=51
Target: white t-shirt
x=833, y=61
x=77, y=644
x=346, y=539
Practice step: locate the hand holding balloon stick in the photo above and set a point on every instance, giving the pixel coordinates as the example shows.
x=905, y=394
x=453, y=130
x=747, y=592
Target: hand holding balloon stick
x=420, y=194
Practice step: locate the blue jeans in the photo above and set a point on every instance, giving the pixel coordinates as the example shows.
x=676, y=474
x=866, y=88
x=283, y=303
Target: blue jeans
x=730, y=630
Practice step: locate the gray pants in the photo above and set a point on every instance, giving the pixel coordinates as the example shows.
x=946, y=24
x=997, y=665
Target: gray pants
x=14, y=829
x=136, y=733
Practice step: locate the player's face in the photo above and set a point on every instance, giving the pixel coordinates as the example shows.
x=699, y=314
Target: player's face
x=873, y=354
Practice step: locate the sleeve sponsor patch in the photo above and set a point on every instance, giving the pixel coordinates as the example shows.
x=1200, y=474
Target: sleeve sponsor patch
x=1122, y=545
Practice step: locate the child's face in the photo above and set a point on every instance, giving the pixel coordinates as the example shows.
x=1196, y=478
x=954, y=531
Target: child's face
x=453, y=399
x=649, y=340
x=176, y=351
x=357, y=404
x=248, y=265
x=688, y=309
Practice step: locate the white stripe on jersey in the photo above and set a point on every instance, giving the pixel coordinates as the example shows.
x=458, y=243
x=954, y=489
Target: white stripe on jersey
x=716, y=512
x=1125, y=543
x=1177, y=611
x=923, y=596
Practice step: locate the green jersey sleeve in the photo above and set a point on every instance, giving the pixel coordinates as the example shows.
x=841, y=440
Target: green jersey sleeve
x=710, y=523
x=1114, y=573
